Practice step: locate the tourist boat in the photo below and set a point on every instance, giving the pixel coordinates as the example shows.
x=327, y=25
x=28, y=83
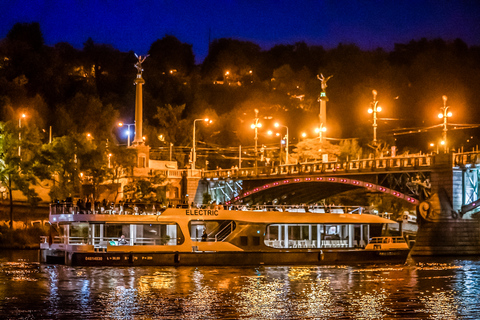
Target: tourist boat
x=173, y=237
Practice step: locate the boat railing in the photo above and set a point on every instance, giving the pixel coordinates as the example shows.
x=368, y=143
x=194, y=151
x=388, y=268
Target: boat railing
x=69, y=208
x=387, y=240
x=105, y=241
x=308, y=244
x=50, y=239
x=223, y=233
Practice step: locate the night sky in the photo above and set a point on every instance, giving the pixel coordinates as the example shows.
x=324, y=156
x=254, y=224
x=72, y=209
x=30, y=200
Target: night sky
x=135, y=25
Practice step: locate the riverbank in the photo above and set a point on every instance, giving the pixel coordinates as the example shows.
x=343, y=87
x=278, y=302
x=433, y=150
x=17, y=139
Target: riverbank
x=25, y=238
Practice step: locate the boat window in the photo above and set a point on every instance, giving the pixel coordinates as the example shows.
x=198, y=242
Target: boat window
x=78, y=233
x=244, y=240
x=143, y=234
x=304, y=236
x=256, y=241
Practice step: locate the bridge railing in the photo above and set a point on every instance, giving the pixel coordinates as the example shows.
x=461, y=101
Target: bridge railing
x=362, y=165
x=464, y=158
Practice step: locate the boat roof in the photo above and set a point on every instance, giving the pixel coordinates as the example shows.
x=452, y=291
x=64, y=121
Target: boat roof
x=186, y=215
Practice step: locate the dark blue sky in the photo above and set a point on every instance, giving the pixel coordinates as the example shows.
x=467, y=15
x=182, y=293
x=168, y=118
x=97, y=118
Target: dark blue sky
x=135, y=25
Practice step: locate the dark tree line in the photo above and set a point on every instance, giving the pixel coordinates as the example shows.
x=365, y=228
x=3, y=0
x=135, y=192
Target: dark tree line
x=76, y=91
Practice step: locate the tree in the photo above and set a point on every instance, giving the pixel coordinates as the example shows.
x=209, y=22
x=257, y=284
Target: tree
x=93, y=163
x=313, y=149
x=57, y=161
x=122, y=160
x=170, y=121
x=16, y=168
x=146, y=189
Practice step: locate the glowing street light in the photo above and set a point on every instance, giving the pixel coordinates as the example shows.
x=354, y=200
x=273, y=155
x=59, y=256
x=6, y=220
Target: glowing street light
x=194, y=155
x=286, y=141
x=374, y=109
x=121, y=124
x=320, y=131
x=446, y=114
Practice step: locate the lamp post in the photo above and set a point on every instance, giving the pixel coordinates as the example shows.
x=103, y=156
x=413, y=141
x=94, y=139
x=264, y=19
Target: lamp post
x=121, y=124
x=374, y=109
x=286, y=141
x=320, y=131
x=194, y=155
x=20, y=133
x=446, y=114
x=255, y=125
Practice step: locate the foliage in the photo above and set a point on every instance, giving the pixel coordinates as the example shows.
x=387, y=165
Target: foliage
x=149, y=189
x=313, y=149
x=349, y=149
x=89, y=89
x=16, y=161
x=57, y=161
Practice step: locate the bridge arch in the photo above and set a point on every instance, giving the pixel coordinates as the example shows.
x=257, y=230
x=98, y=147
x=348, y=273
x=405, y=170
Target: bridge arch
x=352, y=183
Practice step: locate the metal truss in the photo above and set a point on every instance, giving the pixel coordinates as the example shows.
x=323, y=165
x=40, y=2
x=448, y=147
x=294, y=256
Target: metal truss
x=470, y=185
x=415, y=184
x=224, y=190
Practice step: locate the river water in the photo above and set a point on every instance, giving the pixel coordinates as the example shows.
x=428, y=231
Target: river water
x=447, y=288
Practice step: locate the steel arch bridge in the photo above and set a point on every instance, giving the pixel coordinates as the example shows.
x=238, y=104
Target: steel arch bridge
x=287, y=186
x=407, y=178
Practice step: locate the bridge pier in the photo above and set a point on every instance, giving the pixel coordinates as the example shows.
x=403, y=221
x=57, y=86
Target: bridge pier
x=442, y=228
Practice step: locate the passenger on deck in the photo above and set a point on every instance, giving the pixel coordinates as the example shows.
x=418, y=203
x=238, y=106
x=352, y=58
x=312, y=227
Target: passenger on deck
x=122, y=241
x=204, y=235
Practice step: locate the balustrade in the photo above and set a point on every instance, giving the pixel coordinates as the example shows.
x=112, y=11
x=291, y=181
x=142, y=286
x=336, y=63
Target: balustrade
x=360, y=165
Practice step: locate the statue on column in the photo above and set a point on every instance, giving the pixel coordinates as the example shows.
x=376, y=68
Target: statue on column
x=138, y=65
x=323, y=80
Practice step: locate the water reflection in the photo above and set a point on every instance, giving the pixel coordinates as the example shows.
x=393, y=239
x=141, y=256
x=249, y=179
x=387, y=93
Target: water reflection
x=260, y=298
x=423, y=290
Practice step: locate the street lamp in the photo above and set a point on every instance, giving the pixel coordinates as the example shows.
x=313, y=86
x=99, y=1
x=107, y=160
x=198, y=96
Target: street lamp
x=320, y=131
x=109, y=163
x=286, y=141
x=194, y=155
x=20, y=133
x=255, y=125
x=374, y=109
x=446, y=114
x=121, y=124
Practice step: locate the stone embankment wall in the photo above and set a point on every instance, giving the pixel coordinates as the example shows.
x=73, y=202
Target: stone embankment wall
x=448, y=237
x=23, y=215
